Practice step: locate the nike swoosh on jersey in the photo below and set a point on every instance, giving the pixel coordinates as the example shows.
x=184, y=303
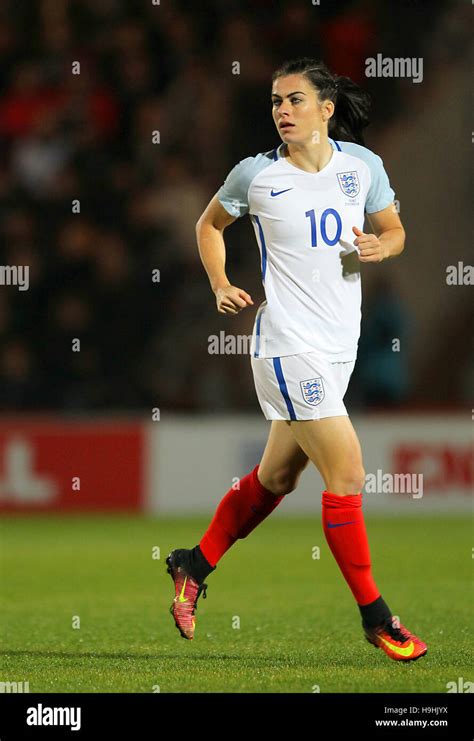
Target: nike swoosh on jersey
x=340, y=524
x=398, y=650
x=278, y=192
x=181, y=597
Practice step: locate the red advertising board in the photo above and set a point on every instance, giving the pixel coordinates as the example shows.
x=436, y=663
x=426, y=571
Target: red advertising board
x=446, y=466
x=48, y=465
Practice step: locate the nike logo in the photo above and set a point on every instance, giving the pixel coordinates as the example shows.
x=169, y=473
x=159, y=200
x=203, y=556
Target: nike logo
x=340, y=524
x=181, y=597
x=398, y=650
x=279, y=192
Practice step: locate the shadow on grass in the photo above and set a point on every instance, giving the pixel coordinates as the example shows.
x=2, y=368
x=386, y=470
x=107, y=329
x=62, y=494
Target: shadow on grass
x=127, y=655
x=322, y=663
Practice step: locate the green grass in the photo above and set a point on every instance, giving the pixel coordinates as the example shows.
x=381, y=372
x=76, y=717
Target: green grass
x=299, y=625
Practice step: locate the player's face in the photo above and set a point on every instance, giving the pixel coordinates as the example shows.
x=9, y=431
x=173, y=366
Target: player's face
x=297, y=110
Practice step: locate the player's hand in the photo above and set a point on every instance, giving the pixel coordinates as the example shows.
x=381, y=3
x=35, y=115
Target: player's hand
x=231, y=300
x=370, y=247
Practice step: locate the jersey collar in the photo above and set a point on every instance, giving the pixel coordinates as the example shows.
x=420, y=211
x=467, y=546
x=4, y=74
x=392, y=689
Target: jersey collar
x=279, y=150
x=278, y=154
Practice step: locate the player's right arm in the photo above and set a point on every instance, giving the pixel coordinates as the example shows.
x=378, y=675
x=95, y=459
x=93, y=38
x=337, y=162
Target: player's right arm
x=209, y=233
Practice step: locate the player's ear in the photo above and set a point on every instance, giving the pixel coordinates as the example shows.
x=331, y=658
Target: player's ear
x=327, y=109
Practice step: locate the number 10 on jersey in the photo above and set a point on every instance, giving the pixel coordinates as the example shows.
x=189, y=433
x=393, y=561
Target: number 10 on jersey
x=327, y=213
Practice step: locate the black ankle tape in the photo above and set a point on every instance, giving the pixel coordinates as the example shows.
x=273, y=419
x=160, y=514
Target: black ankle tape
x=198, y=565
x=375, y=613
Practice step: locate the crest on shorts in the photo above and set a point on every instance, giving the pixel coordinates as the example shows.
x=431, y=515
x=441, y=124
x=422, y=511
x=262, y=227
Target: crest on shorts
x=312, y=390
x=349, y=182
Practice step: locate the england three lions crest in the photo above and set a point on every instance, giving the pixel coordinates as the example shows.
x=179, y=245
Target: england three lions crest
x=349, y=182
x=312, y=390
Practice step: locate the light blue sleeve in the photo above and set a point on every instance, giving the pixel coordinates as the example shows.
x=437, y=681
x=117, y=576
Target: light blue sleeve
x=380, y=193
x=233, y=194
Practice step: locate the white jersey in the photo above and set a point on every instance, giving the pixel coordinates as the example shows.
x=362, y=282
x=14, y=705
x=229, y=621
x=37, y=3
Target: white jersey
x=303, y=225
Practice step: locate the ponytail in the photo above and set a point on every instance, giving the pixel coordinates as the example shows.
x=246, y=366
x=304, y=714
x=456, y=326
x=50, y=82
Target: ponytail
x=351, y=102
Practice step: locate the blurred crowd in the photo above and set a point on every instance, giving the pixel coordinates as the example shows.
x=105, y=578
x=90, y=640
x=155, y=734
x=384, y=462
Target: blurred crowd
x=105, y=167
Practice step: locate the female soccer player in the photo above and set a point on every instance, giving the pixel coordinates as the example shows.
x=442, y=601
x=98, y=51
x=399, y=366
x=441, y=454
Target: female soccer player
x=307, y=200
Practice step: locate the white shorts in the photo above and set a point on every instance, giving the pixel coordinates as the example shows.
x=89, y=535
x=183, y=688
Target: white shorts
x=301, y=387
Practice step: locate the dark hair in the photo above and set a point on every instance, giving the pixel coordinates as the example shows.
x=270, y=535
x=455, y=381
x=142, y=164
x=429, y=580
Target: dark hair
x=352, y=103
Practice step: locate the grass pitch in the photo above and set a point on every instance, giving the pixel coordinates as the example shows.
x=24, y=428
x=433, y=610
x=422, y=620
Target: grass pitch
x=275, y=618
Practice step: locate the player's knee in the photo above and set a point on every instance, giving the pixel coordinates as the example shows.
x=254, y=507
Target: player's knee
x=348, y=481
x=282, y=482
x=360, y=479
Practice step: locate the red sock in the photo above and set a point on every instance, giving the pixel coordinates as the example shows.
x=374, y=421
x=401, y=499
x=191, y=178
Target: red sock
x=239, y=512
x=344, y=528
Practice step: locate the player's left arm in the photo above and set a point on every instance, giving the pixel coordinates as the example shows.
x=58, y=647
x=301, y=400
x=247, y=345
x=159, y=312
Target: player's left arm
x=388, y=239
